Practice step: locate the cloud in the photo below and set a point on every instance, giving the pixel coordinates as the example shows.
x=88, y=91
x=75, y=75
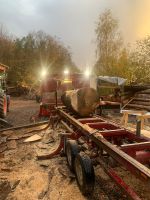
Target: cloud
x=74, y=21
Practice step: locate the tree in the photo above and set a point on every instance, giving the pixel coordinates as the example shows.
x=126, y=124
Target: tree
x=6, y=46
x=34, y=51
x=109, y=44
x=140, y=61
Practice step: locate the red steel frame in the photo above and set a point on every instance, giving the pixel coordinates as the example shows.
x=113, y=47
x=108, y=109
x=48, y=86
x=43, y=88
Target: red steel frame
x=127, y=149
x=53, y=84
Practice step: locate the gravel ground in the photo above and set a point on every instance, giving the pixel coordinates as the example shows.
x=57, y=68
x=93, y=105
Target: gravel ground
x=21, y=110
x=24, y=177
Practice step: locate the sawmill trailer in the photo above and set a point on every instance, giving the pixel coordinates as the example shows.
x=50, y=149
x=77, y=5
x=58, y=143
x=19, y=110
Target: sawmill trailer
x=108, y=145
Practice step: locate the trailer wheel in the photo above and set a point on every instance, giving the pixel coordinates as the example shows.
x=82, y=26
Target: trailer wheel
x=72, y=149
x=3, y=106
x=64, y=146
x=84, y=174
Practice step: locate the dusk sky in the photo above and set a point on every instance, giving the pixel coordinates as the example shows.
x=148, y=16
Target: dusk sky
x=74, y=21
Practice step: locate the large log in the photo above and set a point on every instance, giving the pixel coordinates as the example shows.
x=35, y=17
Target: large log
x=141, y=99
x=141, y=103
x=82, y=101
x=146, y=96
x=145, y=91
x=136, y=88
x=141, y=107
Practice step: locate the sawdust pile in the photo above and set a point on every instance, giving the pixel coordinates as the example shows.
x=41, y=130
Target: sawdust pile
x=24, y=177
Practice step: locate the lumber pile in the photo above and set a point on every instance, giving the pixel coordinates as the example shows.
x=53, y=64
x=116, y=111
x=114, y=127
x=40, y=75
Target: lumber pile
x=81, y=101
x=135, y=88
x=141, y=101
x=126, y=96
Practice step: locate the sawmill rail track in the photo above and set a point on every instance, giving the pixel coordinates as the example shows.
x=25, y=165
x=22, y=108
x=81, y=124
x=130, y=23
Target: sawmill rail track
x=113, y=146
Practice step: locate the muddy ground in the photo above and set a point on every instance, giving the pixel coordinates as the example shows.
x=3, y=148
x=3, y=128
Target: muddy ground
x=21, y=110
x=23, y=176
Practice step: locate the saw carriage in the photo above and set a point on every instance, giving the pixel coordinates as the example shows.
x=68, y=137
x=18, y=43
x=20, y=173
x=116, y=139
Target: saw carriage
x=92, y=140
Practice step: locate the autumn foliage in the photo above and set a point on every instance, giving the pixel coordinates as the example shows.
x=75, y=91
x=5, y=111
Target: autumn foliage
x=28, y=55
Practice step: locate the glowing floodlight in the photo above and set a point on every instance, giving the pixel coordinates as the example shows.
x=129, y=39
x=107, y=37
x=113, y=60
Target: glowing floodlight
x=43, y=73
x=66, y=71
x=87, y=73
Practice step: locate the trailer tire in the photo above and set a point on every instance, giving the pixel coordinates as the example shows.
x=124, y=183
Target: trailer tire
x=64, y=145
x=85, y=175
x=72, y=149
x=3, y=106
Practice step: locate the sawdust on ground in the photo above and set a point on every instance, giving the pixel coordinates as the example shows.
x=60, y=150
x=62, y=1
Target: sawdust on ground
x=34, y=179
x=21, y=110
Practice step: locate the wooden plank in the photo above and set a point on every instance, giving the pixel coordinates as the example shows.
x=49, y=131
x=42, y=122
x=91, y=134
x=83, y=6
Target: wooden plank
x=142, y=103
x=139, y=106
x=144, y=91
x=25, y=126
x=142, y=99
x=33, y=138
x=141, y=112
x=147, y=96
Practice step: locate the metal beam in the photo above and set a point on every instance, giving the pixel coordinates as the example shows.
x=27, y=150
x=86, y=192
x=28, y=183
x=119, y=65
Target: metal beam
x=136, y=146
x=127, y=161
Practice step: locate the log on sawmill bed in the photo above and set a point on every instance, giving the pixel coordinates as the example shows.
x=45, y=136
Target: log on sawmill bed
x=82, y=101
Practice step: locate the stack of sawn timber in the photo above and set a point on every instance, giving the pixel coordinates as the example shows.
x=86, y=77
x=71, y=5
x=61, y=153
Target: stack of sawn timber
x=81, y=101
x=141, y=101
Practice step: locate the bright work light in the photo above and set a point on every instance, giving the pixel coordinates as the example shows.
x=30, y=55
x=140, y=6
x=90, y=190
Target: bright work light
x=43, y=73
x=66, y=71
x=87, y=73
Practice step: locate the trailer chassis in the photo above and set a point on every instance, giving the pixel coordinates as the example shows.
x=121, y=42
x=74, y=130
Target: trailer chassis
x=113, y=145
